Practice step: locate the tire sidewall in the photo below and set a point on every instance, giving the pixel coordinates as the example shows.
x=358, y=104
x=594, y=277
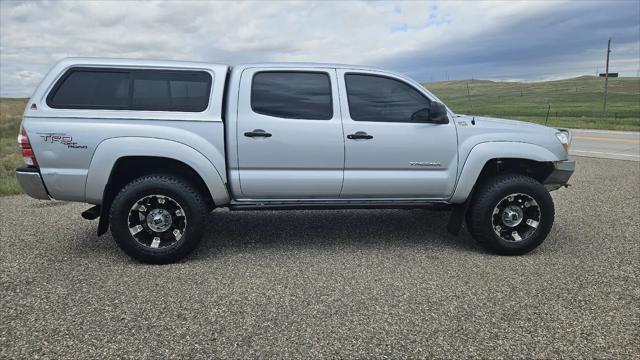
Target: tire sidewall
x=156, y=185
x=523, y=185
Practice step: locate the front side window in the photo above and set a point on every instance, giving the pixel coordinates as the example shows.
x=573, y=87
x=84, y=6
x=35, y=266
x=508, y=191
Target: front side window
x=129, y=89
x=292, y=95
x=379, y=98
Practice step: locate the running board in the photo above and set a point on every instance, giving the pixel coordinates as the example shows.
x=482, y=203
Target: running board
x=336, y=205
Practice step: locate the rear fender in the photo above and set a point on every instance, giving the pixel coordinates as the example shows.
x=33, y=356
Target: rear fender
x=110, y=150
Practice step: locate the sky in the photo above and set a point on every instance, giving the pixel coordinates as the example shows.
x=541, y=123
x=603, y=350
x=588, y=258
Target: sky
x=429, y=41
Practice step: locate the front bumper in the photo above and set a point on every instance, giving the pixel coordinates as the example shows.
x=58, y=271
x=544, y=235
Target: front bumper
x=562, y=171
x=31, y=183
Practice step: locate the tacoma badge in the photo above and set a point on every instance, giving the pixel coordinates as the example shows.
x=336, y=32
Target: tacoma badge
x=424, y=163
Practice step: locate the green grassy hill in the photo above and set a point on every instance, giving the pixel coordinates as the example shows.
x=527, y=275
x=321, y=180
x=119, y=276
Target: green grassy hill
x=575, y=103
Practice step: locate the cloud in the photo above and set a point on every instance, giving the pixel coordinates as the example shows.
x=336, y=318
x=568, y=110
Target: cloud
x=427, y=40
x=570, y=40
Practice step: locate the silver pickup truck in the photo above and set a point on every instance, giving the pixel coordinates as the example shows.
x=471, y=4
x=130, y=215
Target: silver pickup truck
x=155, y=146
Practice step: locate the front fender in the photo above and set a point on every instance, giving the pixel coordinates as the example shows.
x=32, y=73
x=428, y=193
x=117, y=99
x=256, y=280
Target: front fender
x=484, y=152
x=110, y=150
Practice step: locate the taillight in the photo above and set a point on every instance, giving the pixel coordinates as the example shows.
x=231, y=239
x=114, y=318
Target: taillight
x=27, y=151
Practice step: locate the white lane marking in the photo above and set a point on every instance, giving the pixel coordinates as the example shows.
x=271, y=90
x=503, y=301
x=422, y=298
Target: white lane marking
x=613, y=132
x=605, y=153
x=155, y=243
x=606, y=139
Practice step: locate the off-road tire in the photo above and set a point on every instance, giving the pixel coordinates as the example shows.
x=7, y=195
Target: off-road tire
x=487, y=196
x=186, y=195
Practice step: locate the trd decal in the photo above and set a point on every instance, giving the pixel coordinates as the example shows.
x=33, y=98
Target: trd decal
x=61, y=138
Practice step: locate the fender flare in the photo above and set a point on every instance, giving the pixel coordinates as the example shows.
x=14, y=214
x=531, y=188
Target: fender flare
x=484, y=152
x=109, y=151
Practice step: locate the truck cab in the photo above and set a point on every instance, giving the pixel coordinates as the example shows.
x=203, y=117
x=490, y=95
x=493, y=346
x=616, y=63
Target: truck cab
x=336, y=133
x=156, y=145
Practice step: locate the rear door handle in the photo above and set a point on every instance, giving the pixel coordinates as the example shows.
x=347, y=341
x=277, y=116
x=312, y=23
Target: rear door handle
x=257, y=133
x=359, y=135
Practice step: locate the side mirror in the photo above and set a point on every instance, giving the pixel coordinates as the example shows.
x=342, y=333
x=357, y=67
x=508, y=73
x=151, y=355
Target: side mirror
x=438, y=113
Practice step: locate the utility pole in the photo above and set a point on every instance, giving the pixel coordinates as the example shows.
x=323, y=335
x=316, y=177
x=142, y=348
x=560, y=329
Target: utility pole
x=606, y=77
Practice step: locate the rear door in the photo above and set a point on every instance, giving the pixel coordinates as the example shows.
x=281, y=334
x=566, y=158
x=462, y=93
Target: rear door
x=290, y=141
x=388, y=154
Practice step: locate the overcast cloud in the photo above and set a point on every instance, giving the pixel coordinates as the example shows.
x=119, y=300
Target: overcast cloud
x=426, y=40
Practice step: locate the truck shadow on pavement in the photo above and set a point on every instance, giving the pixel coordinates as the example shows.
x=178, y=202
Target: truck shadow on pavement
x=255, y=230
x=229, y=233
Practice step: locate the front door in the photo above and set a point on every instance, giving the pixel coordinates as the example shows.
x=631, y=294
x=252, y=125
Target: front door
x=290, y=143
x=388, y=153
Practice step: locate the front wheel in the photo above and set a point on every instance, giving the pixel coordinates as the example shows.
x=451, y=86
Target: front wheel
x=157, y=219
x=510, y=214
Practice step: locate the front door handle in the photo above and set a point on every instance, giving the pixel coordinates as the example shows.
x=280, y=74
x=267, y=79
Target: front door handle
x=359, y=135
x=257, y=133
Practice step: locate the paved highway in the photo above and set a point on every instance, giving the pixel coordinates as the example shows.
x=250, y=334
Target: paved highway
x=622, y=145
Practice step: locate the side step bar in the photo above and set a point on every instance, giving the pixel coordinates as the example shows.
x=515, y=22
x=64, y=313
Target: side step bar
x=336, y=205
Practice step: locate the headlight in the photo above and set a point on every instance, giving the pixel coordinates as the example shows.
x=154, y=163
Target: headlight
x=565, y=139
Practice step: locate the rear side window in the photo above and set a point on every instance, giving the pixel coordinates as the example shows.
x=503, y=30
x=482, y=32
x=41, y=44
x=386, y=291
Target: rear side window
x=379, y=98
x=292, y=95
x=91, y=89
x=151, y=90
x=177, y=91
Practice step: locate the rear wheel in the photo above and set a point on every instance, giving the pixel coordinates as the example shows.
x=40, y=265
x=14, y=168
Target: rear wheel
x=510, y=214
x=158, y=219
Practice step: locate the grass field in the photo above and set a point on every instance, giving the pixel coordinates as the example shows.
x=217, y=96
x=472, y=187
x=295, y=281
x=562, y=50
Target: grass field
x=575, y=103
x=10, y=114
x=572, y=103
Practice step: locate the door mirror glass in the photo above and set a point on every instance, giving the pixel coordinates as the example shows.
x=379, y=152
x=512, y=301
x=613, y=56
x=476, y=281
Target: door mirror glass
x=438, y=113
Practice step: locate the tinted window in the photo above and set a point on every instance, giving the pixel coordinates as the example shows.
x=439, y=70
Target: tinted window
x=293, y=95
x=377, y=98
x=170, y=90
x=92, y=89
x=157, y=90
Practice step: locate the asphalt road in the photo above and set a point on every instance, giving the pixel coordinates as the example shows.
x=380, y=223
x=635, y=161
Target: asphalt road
x=340, y=284
x=623, y=145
